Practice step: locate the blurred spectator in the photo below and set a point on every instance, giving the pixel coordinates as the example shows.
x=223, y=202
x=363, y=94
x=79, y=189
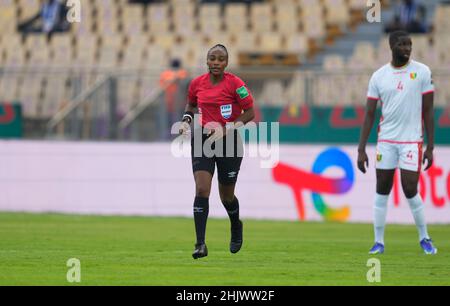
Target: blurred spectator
x=407, y=12
x=394, y=25
x=171, y=81
x=409, y=16
x=419, y=24
x=49, y=19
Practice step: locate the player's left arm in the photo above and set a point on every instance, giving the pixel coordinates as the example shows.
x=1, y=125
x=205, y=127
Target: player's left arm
x=245, y=99
x=246, y=116
x=428, y=115
x=428, y=118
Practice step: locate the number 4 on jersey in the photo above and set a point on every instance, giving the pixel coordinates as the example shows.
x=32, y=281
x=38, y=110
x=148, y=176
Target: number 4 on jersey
x=400, y=85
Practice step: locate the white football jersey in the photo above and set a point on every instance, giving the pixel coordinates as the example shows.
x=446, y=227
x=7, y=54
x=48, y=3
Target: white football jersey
x=400, y=92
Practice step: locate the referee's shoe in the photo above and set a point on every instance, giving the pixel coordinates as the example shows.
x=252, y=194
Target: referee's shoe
x=200, y=251
x=236, y=238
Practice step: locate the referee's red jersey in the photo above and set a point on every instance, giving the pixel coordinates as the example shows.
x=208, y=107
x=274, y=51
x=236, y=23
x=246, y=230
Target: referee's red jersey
x=221, y=103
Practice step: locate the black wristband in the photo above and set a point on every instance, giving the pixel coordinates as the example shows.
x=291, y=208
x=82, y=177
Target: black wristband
x=189, y=116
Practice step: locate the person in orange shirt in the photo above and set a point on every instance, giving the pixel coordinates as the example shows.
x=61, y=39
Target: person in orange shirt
x=171, y=82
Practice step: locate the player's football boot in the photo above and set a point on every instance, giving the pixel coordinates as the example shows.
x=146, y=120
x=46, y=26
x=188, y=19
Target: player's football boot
x=428, y=247
x=200, y=251
x=378, y=248
x=236, y=238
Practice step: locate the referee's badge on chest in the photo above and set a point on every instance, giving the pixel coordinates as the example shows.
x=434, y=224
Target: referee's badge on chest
x=226, y=111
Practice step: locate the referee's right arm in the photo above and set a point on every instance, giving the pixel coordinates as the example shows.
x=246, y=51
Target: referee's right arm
x=189, y=111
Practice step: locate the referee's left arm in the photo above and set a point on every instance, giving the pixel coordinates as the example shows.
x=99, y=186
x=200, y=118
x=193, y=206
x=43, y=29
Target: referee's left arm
x=247, y=116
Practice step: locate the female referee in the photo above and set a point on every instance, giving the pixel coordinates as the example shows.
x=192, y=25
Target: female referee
x=225, y=104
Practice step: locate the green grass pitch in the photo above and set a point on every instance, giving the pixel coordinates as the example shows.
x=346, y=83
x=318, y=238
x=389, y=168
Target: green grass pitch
x=34, y=250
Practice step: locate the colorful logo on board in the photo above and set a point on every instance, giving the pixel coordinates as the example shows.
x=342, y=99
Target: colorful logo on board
x=300, y=180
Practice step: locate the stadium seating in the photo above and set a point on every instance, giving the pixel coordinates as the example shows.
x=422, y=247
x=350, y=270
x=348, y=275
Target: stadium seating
x=183, y=17
x=38, y=51
x=273, y=93
x=337, y=14
x=158, y=18
x=132, y=57
x=54, y=95
x=30, y=94
x=9, y=88
x=287, y=17
x=261, y=17
x=210, y=19
x=86, y=50
x=118, y=36
x=235, y=18
x=61, y=49
x=295, y=90
x=441, y=22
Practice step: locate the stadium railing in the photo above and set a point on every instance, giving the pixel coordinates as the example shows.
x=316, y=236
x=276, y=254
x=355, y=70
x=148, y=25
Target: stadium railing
x=110, y=110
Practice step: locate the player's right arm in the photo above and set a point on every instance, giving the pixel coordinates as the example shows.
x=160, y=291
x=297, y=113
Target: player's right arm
x=363, y=159
x=371, y=107
x=186, y=122
x=190, y=109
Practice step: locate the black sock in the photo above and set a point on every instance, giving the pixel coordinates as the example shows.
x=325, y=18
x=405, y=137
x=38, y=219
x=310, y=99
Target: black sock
x=233, y=211
x=201, y=210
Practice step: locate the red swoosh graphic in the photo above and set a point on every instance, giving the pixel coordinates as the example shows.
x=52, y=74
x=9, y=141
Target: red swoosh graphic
x=9, y=114
x=299, y=180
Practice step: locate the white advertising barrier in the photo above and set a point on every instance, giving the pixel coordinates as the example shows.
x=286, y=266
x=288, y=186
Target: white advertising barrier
x=309, y=183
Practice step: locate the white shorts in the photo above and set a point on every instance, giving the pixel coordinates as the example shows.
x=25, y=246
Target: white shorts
x=404, y=156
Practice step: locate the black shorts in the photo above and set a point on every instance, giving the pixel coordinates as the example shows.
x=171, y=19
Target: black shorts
x=228, y=156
